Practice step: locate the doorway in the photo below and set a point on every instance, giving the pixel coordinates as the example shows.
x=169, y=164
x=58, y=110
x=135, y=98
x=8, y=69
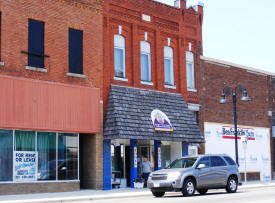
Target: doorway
x=143, y=151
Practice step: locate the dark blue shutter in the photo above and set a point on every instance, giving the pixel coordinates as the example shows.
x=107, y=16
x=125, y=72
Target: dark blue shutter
x=75, y=51
x=36, y=44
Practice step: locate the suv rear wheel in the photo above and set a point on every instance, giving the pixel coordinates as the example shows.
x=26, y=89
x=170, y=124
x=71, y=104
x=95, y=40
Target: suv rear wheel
x=232, y=185
x=158, y=194
x=188, y=187
x=202, y=191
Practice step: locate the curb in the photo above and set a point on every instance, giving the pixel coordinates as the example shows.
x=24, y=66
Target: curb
x=111, y=196
x=80, y=198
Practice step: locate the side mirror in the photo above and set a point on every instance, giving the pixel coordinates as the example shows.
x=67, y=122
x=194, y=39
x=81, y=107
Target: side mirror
x=201, y=166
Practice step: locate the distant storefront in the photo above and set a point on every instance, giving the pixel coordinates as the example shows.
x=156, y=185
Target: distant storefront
x=256, y=153
x=40, y=128
x=148, y=123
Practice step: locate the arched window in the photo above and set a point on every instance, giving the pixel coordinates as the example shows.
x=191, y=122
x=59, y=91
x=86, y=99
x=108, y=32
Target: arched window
x=168, y=66
x=145, y=61
x=190, y=76
x=119, y=56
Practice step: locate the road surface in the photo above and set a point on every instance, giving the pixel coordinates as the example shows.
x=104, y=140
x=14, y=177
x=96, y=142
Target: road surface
x=255, y=195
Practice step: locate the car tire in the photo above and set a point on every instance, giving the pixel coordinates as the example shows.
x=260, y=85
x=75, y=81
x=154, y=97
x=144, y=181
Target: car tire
x=202, y=191
x=189, y=187
x=158, y=194
x=232, y=185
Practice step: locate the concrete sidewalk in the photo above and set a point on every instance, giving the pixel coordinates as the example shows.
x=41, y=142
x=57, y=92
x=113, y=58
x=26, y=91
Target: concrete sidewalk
x=90, y=195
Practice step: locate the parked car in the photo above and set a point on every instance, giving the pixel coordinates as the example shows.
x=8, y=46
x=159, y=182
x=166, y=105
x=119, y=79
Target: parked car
x=66, y=169
x=199, y=173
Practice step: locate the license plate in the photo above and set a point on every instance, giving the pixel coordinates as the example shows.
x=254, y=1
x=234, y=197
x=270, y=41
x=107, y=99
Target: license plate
x=156, y=184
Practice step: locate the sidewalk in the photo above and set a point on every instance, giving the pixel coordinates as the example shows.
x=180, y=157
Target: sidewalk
x=89, y=195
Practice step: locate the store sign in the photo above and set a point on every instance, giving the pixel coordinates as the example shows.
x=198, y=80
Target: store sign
x=135, y=157
x=160, y=121
x=255, y=153
x=159, y=157
x=25, y=166
x=228, y=132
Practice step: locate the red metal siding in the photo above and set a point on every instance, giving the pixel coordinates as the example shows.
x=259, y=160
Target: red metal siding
x=47, y=106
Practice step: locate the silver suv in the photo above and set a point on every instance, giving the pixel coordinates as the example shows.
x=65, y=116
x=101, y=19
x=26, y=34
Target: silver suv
x=199, y=173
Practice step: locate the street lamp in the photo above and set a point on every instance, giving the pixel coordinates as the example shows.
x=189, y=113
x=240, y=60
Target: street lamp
x=234, y=92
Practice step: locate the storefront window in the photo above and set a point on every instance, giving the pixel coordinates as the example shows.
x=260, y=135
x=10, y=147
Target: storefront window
x=32, y=156
x=67, y=156
x=24, y=140
x=6, y=153
x=165, y=156
x=46, y=147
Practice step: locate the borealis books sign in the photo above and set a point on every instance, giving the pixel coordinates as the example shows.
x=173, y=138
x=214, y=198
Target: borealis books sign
x=160, y=121
x=228, y=132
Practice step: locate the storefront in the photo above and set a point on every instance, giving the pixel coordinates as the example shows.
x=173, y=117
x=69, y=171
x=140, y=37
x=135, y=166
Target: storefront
x=40, y=128
x=141, y=123
x=253, y=147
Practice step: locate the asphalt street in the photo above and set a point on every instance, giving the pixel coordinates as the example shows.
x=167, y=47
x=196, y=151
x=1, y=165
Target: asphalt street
x=255, y=195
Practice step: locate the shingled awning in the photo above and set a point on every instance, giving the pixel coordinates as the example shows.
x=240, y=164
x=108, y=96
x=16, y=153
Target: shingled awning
x=129, y=110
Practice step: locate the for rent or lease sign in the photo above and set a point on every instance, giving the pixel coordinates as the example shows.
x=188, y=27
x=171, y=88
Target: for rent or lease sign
x=25, y=166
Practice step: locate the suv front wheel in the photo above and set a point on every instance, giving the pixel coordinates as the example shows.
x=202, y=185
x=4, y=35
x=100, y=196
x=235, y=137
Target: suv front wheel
x=188, y=187
x=232, y=185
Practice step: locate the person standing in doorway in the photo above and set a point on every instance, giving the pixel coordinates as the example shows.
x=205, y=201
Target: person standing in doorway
x=146, y=169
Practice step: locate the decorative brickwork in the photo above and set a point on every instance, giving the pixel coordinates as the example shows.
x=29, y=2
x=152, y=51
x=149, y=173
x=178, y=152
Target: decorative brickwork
x=165, y=22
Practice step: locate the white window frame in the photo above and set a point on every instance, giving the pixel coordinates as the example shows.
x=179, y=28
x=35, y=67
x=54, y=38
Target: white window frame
x=169, y=55
x=119, y=43
x=190, y=61
x=145, y=49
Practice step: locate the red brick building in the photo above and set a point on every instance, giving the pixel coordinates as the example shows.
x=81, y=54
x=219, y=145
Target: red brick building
x=149, y=49
x=51, y=76
x=254, y=117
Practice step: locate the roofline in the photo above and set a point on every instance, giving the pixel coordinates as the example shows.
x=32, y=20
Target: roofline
x=143, y=89
x=228, y=64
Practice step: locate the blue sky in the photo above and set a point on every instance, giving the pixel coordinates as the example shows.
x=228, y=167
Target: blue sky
x=239, y=31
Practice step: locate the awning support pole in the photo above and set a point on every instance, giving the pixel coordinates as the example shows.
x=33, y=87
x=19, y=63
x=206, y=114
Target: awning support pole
x=157, y=149
x=134, y=172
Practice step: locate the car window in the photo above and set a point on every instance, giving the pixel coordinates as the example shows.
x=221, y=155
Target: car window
x=217, y=161
x=204, y=160
x=183, y=163
x=229, y=160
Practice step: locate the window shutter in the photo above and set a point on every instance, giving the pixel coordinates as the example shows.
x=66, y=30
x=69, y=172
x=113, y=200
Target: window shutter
x=36, y=44
x=75, y=51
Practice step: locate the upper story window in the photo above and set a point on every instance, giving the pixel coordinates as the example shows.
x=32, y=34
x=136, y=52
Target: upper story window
x=75, y=51
x=36, y=44
x=119, y=56
x=190, y=75
x=145, y=61
x=168, y=66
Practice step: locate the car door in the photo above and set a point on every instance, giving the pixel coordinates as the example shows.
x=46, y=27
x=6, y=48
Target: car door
x=203, y=174
x=219, y=171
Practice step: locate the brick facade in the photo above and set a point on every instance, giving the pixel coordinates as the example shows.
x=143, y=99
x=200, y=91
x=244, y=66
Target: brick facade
x=58, y=16
x=214, y=76
x=181, y=25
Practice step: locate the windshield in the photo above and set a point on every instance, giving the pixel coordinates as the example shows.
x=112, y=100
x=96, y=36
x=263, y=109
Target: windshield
x=183, y=163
